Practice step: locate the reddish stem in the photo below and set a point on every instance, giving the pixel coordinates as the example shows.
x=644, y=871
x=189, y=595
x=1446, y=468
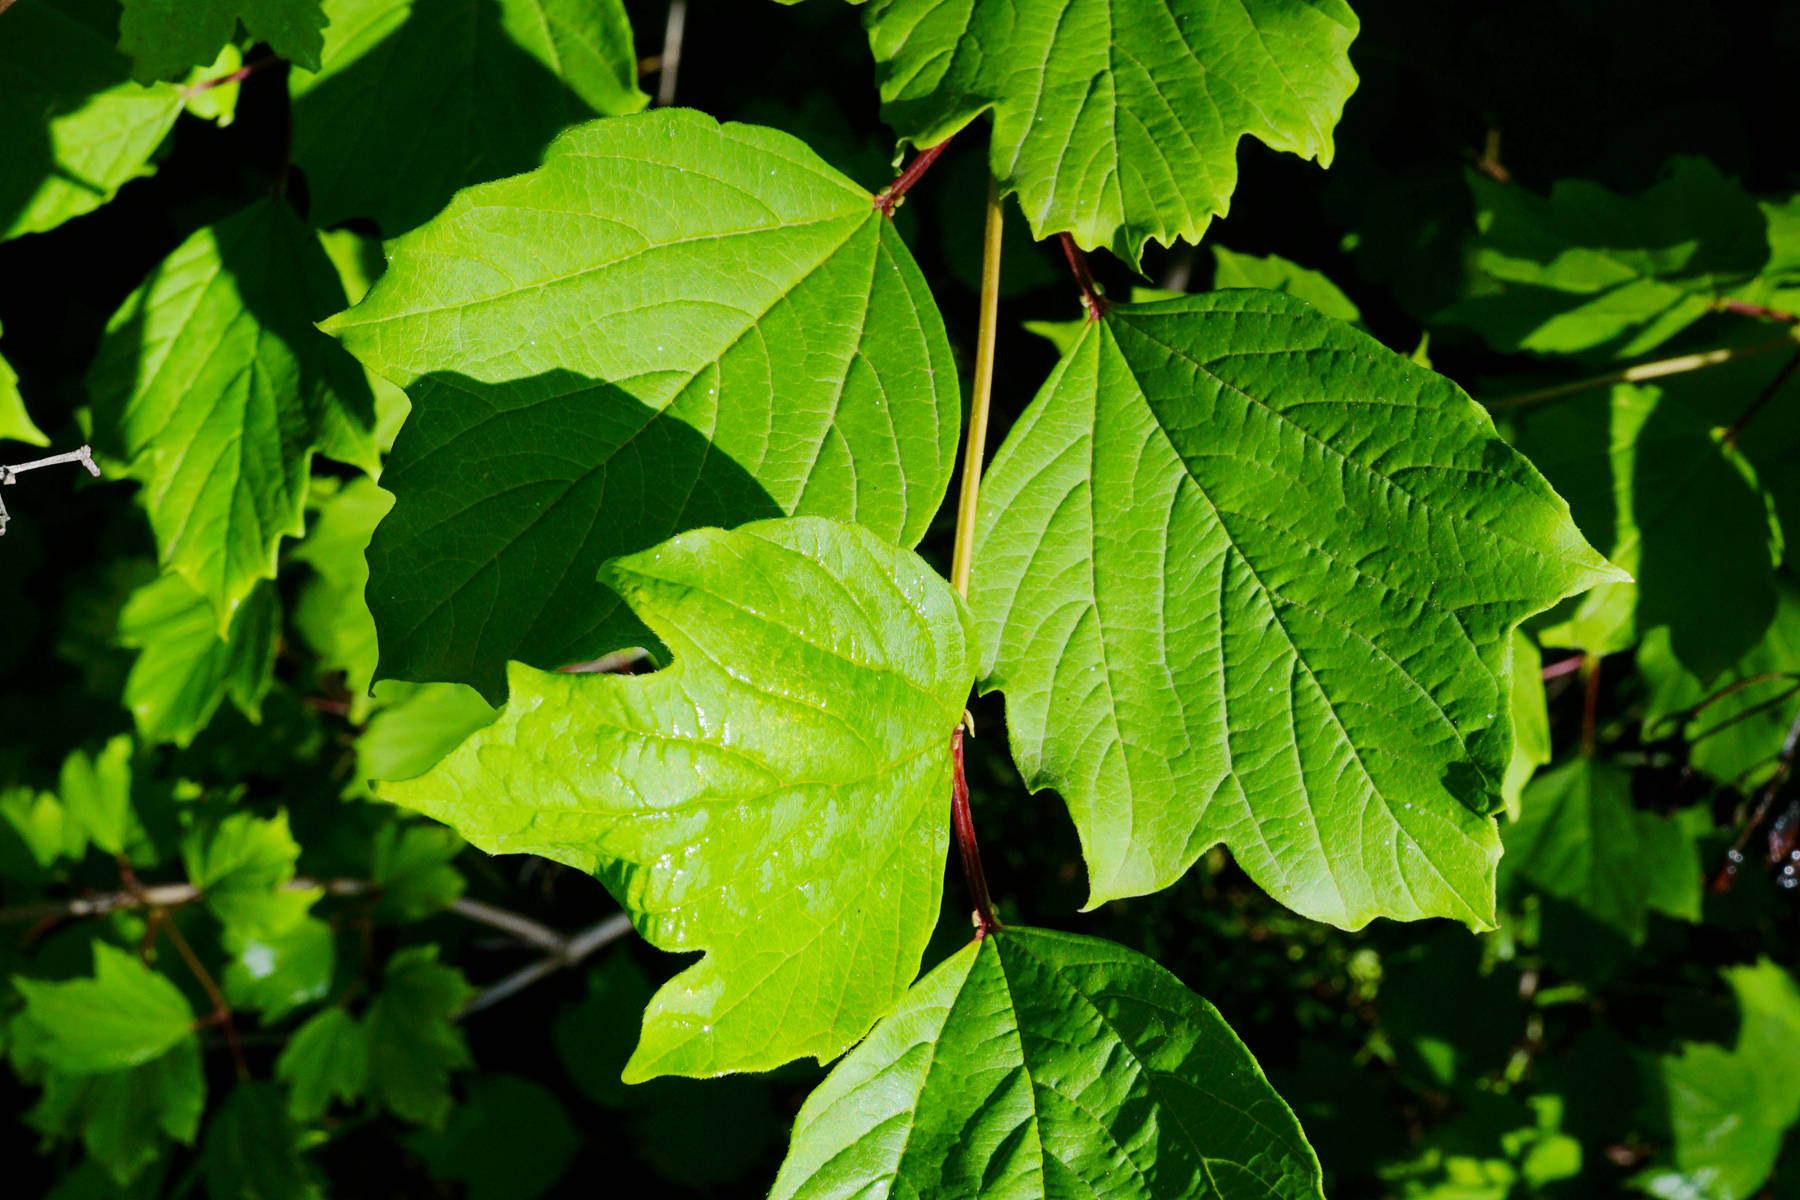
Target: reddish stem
x=963, y=821
x=238, y=76
x=1091, y=299
x=1590, y=704
x=1760, y=311
x=890, y=196
x=1567, y=666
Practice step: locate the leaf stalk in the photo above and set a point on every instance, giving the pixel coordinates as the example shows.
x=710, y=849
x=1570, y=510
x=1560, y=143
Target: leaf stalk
x=963, y=820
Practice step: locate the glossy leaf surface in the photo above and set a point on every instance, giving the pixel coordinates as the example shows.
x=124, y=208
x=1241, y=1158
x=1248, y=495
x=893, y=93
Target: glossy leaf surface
x=770, y=348
x=778, y=796
x=1035, y=1065
x=1247, y=577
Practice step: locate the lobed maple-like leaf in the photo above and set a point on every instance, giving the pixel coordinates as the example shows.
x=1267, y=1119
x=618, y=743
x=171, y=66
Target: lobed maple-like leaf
x=1247, y=577
x=1034, y=1065
x=777, y=796
x=1117, y=121
x=168, y=38
x=671, y=324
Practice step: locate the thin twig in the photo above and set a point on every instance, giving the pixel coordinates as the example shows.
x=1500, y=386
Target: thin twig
x=162, y=895
x=888, y=199
x=1642, y=371
x=962, y=820
x=567, y=952
x=238, y=76
x=1091, y=299
x=1762, y=399
x=10, y=474
x=1567, y=666
x=669, y=64
x=523, y=928
x=1760, y=311
x=221, y=1013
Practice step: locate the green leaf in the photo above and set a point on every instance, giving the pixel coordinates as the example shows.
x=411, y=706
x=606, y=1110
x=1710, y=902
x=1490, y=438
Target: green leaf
x=168, y=38
x=1580, y=838
x=14, y=422
x=1586, y=269
x=186, y=669
x=243, y=866
x=328, y=1056
x=776, y=797
x=771, y=349
x=1729, y=1109
x=214, y=386
x=417, y=725
x=331, y=614
x=1247, y=577
x=1037, y=1064
x=1117, y=121
x=123, y=1116
x=96, y=792
x=45, y=828
x=509, y=1140
x=1650, y=481
x=416, y=100
x=278, y=972
x=413, y=871
x=73, y=127
x=413, y=1047
x=1735, y=726
x=593, y=1038
x=1273, y=273
x=1530, y=721
x=252, y=1149
x=122, y=1016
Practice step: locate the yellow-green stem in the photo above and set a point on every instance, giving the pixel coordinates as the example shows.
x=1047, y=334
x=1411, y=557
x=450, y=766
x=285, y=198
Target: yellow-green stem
x=975, y=446
x=1642, y=371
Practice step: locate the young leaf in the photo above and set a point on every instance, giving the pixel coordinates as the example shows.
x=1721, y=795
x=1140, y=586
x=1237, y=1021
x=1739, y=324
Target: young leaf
x=328, y=1056
x=278, y=972
x=414, y=100
x=185, y=669
x=168, y=38
x=413, y=1047
x=46, y=830
x=770, y=348
x=1247, y=577
x=73, y=127
x=1729, y=1109
x=122, y=1117
x=252, y=1149
x=1035, y=1065
x=416, y=726
x=123, y=1016
x=96, y=792
x=242, y=867
x=214, y=386
x=1586, y=269
x=1117, y=120
x=15, y=423
x=1580, y=838
x=777, y=796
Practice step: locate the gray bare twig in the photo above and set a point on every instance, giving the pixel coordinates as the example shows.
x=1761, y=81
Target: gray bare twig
x=10, y=473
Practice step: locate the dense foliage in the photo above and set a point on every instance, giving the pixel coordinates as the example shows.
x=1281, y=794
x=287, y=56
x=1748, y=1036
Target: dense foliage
x=477, y=527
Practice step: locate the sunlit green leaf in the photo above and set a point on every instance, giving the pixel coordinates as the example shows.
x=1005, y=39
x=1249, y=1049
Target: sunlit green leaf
x=416, y=726
x=777, y=796
x=1035, y=1065
x=331, y=614
x=14, y=422
x=122, y=1016
x=1530, y=721
x=186, y=669
x=1586, y=269
x=214, y=386
x=414, y=100
x=73, y=127
x=243, y=865
x=1117, y=120
x=96, y=791
x=277, y=972
x=770, y=348
x=1273, y=273
x=1247, y=577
